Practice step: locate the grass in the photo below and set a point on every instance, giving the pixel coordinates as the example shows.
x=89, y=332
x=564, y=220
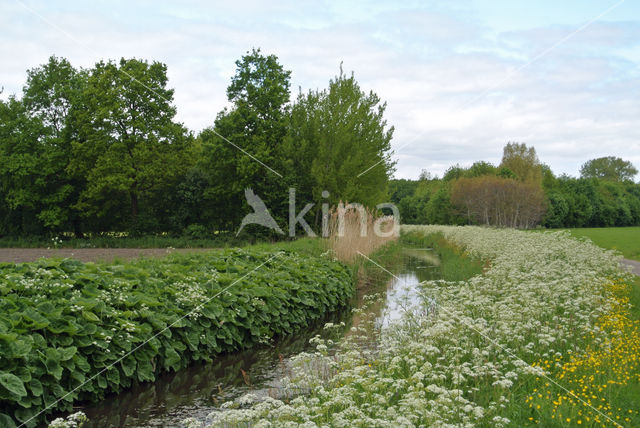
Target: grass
x=624, y=239
x=371, y=278
x=634, y=298
x=454, y=263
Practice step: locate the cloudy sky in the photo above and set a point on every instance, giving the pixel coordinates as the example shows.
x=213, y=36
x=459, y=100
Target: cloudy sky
x=460, y=78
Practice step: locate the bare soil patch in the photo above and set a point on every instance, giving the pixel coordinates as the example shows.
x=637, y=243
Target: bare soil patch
x=20, y=255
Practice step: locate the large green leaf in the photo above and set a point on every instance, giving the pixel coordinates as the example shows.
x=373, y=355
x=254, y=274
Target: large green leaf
x=35, y=387
x=67, y=353
x=129, y=365
x=13, y=384
x=6, y=421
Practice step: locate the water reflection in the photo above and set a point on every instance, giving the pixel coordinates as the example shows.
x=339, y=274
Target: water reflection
x=403, y=291
x=199, y=389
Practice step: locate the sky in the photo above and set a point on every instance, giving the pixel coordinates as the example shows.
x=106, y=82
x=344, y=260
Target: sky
x=460, y=78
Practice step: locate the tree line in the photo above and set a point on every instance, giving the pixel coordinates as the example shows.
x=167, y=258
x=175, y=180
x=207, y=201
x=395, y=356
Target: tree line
x=100, y=150
x=523, y=192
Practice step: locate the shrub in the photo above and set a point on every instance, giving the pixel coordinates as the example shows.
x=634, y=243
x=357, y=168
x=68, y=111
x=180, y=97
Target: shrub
x=196, y=231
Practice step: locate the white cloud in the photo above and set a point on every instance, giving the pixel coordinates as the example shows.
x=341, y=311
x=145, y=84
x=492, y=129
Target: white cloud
x=578, y=102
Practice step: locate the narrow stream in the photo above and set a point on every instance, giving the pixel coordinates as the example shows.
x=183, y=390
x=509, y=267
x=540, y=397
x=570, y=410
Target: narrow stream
x=199, y=389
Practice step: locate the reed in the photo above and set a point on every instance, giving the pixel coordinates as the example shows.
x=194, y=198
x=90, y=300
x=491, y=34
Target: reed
x=355, y=229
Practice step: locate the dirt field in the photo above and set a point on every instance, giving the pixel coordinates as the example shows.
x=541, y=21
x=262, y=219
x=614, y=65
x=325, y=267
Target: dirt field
x=18, y=255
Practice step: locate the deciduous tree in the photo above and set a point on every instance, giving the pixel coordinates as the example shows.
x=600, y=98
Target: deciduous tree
x=609, y=168
x=522, y=161
x=129, y=144
x=36, y=148
x=245, y=147
x=342, y=142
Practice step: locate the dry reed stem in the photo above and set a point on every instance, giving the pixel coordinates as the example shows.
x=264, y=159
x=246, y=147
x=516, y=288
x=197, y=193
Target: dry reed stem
x=355, y=229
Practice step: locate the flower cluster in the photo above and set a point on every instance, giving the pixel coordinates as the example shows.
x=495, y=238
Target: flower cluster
x=75, y=420
x=544, y=297
x=596, y=378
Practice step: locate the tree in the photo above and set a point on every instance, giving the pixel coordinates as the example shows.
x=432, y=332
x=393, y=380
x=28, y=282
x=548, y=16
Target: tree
x=129, y=144
x=425, y=175
x=438, y=209
x=558, y=209
x=400, y=189
x=344, y=140
x=37, y=151
x=401, y=193
x=496, y=201
x=19, y=161
x=609, y=168
x=245, y=147
x=453, y=173
x=481, y=168
x=522, y=161
x=51, y=94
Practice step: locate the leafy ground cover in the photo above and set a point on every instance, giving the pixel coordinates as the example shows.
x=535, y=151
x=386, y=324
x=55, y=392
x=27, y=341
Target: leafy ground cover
x=545, y=335
x=73, y=332
x=624, y=239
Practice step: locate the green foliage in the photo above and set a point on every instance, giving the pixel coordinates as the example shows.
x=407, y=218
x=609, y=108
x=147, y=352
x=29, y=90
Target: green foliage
x=570, y=202
x=75, y=332
x=480, y=168
x=453, y=173
x=580, y=202
x=505, y=172
x=99, y=150
x=401, y=189
x=335, y=134
x=557, y=211
x=256, y=123
x=609, y=168
x=438, y=208
x=129, y=144
x=430, y=203
x=522, y=161
x=35, y=144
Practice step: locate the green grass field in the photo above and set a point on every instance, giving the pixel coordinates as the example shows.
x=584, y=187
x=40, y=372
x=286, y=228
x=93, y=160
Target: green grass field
x=624, y=239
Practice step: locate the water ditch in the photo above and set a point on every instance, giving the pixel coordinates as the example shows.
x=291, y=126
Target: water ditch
x=200, y=389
